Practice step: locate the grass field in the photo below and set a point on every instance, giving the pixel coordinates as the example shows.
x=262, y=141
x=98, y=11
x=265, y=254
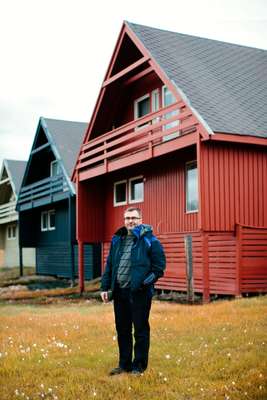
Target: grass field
x=64, y=352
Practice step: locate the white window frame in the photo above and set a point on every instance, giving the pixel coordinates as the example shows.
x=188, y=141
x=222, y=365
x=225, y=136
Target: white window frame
x=187, y=165
x=10, y=230
x=155, y=104
x=146, y=96
x=51, y=167
x=164, y=127
x=119, y=203
x=49, y=227
x=130, y=191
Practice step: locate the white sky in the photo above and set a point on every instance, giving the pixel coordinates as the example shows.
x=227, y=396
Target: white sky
x=54, y=53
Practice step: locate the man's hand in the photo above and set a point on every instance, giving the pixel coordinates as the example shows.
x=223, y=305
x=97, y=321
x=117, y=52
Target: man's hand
x=104, y=297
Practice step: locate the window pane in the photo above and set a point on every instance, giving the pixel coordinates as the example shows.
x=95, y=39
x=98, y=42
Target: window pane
x=137, y=189
x=169, y=99
x=52, y=219
x=13, y=231
x=55, y=168
x=191, y=188
x=120, y=192
x=155, y=100
x=44, y=218
x=143, y=107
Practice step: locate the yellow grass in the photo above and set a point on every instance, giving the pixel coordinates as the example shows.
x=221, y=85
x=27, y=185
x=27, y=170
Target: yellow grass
x=64, y=352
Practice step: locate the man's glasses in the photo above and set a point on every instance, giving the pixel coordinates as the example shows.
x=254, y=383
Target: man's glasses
x=131, y=218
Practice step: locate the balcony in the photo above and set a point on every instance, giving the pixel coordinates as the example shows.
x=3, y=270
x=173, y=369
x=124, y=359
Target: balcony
x=153, y=135
x=8, y=212
x=45, y=191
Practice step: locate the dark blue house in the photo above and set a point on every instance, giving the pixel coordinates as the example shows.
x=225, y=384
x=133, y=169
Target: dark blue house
x=46, y=202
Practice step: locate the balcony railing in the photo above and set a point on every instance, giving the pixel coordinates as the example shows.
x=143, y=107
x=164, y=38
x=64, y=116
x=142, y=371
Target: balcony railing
x=8, y=212
x=47, y=187
x=136, y=141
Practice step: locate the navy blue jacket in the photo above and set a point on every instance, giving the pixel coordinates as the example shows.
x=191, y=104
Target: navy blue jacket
x=147, y=259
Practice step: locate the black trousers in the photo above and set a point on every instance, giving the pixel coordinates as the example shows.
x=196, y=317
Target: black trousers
x=132, y=310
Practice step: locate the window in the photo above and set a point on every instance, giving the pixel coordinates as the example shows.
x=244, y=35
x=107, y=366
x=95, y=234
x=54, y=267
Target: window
x=191, y=187
x=136, y=189
x=169, y=99
x=133, y=189
x=48, y=220
x=142, y=108
x=120, y=193
x=11, y=232
x=54, y=168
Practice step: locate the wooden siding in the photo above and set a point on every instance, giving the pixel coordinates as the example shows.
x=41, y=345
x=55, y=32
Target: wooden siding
x=222, y=263
x=90, y=211
x=56, y=260
x=8, y=212
x=234, y=186
x=164, y=196
x=252, y=259
x=175, y=274
x=236, y=262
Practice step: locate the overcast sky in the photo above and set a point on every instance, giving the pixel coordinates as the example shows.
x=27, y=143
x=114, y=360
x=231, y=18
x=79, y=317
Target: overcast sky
x=54, y=53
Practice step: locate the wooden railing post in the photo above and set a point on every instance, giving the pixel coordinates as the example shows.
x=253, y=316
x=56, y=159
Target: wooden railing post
x=189, y=268
x=105, y=159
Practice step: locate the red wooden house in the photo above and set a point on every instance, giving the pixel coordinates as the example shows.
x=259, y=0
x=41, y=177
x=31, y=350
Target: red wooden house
x=180, y=130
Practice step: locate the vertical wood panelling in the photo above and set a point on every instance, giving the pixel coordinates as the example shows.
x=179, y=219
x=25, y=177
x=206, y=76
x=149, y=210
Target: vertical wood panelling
x=164, y=196
x=90, y=211
x=234, y=186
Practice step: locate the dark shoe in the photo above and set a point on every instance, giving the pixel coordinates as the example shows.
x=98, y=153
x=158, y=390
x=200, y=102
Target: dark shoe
x=117, y=371
x=137, y=371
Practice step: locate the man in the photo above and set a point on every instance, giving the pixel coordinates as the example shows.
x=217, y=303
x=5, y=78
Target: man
x=135, y=261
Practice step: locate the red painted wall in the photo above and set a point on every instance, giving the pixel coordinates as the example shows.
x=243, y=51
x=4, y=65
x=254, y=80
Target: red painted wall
x=164, y=195
x=234, y=186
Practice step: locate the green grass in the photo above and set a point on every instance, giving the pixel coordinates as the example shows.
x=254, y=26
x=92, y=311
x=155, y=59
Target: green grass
x=64, y=352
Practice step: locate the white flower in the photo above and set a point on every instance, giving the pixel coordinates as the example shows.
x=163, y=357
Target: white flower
x=168, y=356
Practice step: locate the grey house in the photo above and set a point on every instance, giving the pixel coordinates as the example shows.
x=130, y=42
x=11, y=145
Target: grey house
x=10, y=181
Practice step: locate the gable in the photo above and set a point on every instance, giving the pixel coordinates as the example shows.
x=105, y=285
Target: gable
x=131, y=65
x=10, y=179
x=40, y=159
x=6, y=190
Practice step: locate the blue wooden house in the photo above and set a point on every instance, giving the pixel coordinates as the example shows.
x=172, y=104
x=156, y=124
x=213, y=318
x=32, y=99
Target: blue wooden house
x=46, y=202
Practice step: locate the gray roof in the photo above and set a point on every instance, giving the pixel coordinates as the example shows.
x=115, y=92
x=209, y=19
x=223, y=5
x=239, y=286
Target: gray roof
x=225, y=83
x=16, y=169
x=68, y=137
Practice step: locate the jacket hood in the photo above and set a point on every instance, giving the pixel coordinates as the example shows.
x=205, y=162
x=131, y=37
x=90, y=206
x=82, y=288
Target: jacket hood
x=138, y=231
